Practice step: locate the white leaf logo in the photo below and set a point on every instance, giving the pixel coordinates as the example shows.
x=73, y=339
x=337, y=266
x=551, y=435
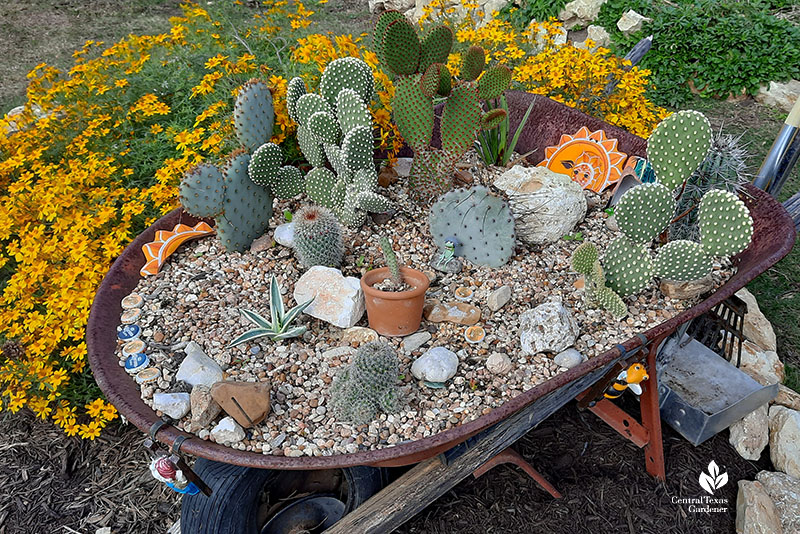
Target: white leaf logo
x=713, y=480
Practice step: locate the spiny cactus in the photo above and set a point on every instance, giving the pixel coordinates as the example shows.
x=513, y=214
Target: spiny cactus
x=608, y=300
x=335, y=126
x=584, y=257
x=368, y=385
x=682, y=260
x=317, y=237
x=420, y=74
x=265, y=169
x=678, y=145
x=253, y=114
x=585, y=261
x=480, y=222
x=628, y=266
x=391, y=261
x=644, y=212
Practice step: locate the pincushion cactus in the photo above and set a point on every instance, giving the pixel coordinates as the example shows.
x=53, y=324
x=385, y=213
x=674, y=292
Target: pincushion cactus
x=335, y=127
x=368, y=385
x=317, y=237
x=420, y=74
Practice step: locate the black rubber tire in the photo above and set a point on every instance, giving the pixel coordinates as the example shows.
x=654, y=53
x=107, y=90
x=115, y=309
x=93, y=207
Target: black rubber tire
x=233, y=505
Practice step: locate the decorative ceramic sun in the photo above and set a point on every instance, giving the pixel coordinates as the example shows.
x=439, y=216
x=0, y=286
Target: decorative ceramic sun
x=166, y=242
x=591, y=159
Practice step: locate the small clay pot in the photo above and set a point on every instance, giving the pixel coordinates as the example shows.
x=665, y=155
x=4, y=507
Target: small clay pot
x=395, y=313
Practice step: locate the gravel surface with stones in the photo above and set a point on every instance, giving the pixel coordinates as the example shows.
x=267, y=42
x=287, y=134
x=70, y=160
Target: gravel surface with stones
x=198, y=293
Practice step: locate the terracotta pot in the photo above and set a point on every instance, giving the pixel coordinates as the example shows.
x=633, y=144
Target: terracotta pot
x=395, y=313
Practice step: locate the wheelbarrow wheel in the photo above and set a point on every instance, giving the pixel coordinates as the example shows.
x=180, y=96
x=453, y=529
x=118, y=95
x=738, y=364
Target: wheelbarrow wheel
x=233, y=507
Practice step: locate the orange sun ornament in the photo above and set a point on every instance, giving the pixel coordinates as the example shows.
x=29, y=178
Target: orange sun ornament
x=591, y=159
x=167, y=242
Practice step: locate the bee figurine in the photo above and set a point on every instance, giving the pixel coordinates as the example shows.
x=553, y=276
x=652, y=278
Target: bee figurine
x=629, y=379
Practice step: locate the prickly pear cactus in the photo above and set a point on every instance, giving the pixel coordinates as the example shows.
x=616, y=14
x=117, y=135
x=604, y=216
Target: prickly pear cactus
x=584, y=258
x=368, y=385
x=608, y=300
x=585, y=261
x=682, y=261
x=481, y=222
x=644, y=212
x=678, y=145
x=265, y=169
x=726, y=226
x=628, y=266
x=318, y=237
x=253, y=114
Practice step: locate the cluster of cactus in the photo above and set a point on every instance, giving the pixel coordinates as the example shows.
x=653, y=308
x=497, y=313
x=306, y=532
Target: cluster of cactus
x=391, y=262
x=420, y=75
x=239, y=195
x=479, y=222
x=586, y=261
x=335, y=126
x=318, y=237
x=368, y=385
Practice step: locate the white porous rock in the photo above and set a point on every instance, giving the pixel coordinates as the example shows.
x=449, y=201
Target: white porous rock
x=569, y=358
x=204, y=408
x=436, y=365
x=546, y=205
x=631, y=22
x=498, y=298
x=598, y=35
x=415, y=341
x=175, y=405
x=580, y=12
x=757, y=328
x=779, y=95
x=784, y=490
x=284, y=234
x=784, y=439
x=763, y=365
x=498, y=363
x=338, y=299
x=750, y=435
x=456, y=10
x=197, y=368
x=227, y=431
x=549, y=327
x=755, y=511
x=379, y=6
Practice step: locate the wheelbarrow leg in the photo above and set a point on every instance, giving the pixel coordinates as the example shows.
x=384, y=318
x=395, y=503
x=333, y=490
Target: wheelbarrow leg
x=510, y=456
x=651, y=419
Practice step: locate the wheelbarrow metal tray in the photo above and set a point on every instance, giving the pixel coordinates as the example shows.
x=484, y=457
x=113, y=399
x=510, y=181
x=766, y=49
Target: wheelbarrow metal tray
x=773, y=238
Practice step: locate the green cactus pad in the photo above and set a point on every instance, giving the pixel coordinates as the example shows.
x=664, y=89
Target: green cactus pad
x=294, y=90
x=347, y=72
x=373, y=202
x=461, y=119
x=264, y=164
x=473, y=63
x=290, y=182
x=481, y=221
x=401, y=47
x=435, y=47
x=605, y=298
x=628, y=266
x=247, y=206
x=379, y=32
x=317, y=237
x=494, y=81
x=351, y=111
x=253, y=114
x=429, y=83
x=644, y=212
x=339, y=196
x=493, y=119
x=310, y=146
x=308, y=104
x=202, y=191
x=334, y=155
x=726, y=226
x=431, y=176
x=324, y=127
x=445, y=83
x=584, y=258
x=319, y=182
x=682, y=261
x=366, y=179
x=413, y=113
x=358, y=147
x=678, y=145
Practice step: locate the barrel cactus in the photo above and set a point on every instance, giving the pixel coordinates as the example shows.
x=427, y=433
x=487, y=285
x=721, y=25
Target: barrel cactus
x=317, y=237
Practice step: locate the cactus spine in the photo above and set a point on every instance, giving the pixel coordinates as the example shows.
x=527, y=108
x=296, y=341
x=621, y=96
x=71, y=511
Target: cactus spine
x=318, y=237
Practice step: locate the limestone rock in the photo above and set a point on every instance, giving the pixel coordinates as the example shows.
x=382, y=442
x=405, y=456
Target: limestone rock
x=227, y=431
x=779, y=95
x=338, y=352
x=686, y=290
x=204, y=408
x=451, y=312
x=763, y=365
x=415, y=341
x=784, y=490
x=338, y=300
x=631, y=22
x=197, y=368
x=784, y=439
x=379, y=6
x=284, y=234
x=569, y=358
x=750, y=435
x=498, y=298
x=436, y=365
x=359, y=334
x=549, y=327
x=261, y=244
x=499, y=363
x=546, y=205
x=600, y=38
x=246, y=402
x=756, y=327
x=787, y=397
x=755, y=511
x=175, y=405
x=580, y=12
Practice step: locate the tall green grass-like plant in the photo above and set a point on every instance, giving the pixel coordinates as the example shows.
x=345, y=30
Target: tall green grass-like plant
x=493, y=145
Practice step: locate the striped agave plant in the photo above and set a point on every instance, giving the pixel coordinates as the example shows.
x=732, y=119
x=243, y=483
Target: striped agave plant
x=279, y=325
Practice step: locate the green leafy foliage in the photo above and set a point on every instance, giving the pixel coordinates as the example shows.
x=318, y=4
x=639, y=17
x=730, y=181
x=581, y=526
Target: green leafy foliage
x=521, y=12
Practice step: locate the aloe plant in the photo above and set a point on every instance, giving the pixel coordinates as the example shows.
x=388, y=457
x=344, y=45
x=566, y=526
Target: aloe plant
x=278, y=327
